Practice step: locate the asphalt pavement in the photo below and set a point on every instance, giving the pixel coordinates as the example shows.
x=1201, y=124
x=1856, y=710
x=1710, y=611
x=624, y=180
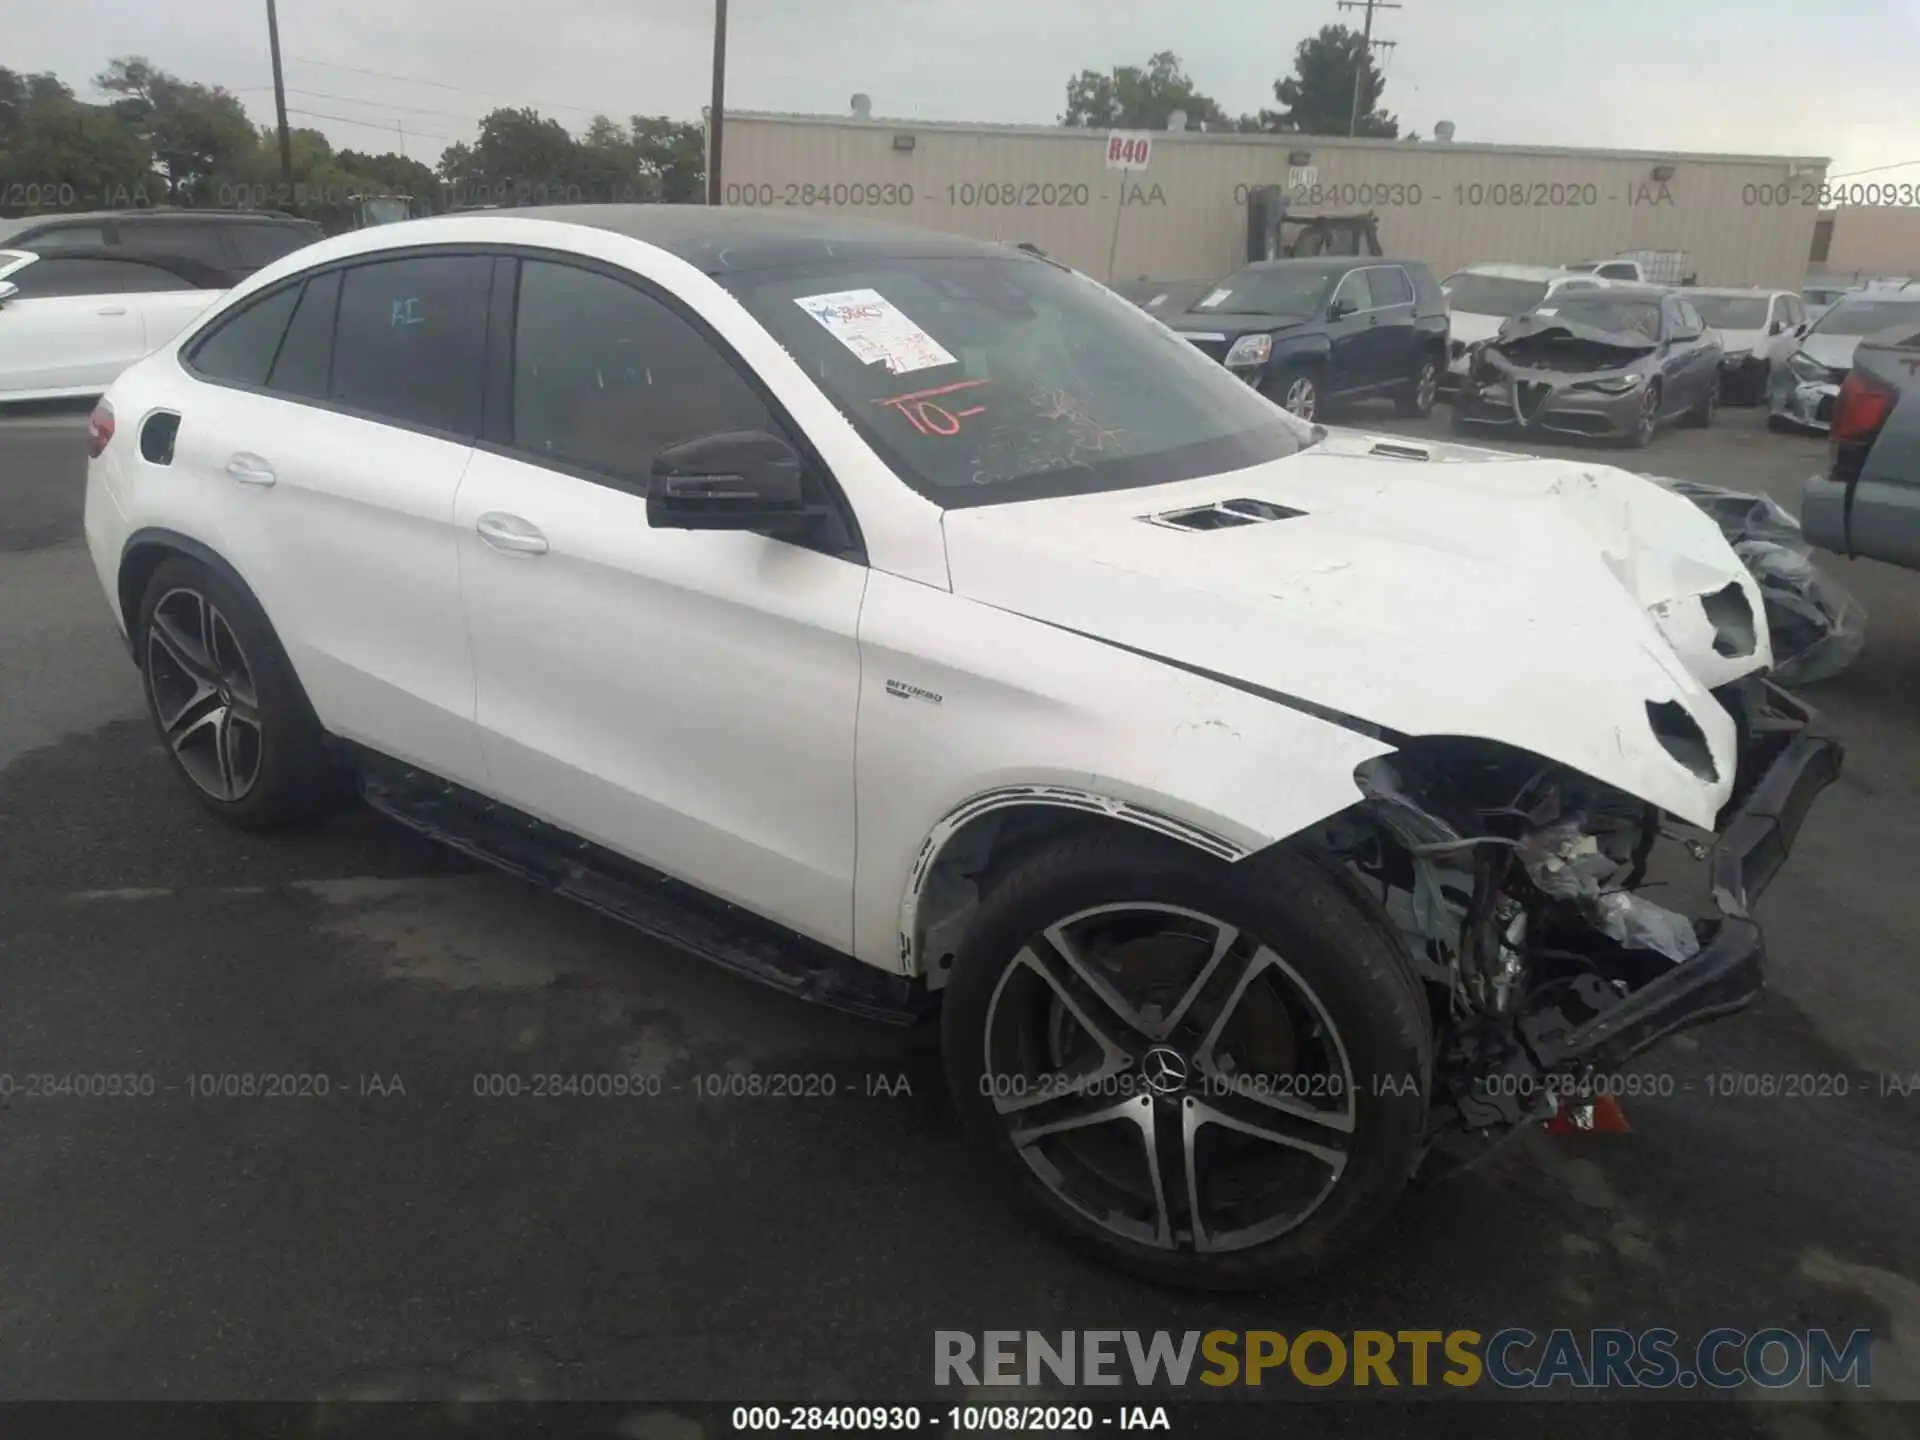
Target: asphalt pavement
x=402, y=1225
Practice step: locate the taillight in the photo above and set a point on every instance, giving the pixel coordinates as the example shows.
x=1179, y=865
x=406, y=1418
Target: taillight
x=99, y=429
x=1861, y=408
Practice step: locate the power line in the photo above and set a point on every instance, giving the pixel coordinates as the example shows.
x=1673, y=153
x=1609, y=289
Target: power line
x=370, y=124
x=443, y=85
x=1873, y=170
x=360, y=100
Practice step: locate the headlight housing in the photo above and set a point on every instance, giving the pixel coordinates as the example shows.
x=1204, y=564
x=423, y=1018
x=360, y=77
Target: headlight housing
x=1613, y=384
x=1250, y=350
x=1805, y=366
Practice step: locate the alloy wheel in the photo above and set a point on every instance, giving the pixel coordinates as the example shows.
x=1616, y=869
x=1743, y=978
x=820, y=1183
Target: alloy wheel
x=1649, y=415
x=203, y=692
x=1169, y=1077
x=1302, y=398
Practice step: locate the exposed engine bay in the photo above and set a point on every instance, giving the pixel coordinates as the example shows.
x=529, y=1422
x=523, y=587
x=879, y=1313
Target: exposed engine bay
x=1516, y=887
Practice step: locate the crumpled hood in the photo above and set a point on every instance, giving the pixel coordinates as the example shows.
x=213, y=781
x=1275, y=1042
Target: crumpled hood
x=1543, y=604
x=1630, y=343
x=1833, y=351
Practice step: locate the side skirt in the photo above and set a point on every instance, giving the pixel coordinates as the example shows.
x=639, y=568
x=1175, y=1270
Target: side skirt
x=634, y=894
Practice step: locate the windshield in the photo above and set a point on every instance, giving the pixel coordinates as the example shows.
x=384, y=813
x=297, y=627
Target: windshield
x=1863, y=317
x=1732, y=312
x=1493, y=294
x=1603, y=312
x=1273, y=290
x=983, y=380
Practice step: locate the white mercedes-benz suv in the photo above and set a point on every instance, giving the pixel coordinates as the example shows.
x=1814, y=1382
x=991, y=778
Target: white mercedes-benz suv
x=911, y=623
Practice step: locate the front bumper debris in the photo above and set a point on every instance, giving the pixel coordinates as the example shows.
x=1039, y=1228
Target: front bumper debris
x=1785, y=763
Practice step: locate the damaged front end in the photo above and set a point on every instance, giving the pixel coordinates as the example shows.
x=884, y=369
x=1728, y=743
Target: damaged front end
x=1557, y=375
x=1516, y=885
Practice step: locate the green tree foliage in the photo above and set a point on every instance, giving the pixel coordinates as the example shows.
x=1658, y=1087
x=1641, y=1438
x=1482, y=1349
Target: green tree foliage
x=195, y=133
x=1130, y=97
x=56, y=152
x=1318, y=96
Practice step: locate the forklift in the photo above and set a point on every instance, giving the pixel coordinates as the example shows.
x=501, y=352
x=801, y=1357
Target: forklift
x=1275, y=234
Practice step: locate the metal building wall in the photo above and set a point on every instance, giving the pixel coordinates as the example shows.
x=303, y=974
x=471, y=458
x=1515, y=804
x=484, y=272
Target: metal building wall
x=1742, y=219
x=1873, y=240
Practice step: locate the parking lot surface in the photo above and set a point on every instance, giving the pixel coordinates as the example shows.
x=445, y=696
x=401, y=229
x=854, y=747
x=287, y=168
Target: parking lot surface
x=404, y=1225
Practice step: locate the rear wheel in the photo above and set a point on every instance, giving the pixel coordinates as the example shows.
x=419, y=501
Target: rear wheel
x=1416, y=399
x=1209, y=1075
x=225, y=701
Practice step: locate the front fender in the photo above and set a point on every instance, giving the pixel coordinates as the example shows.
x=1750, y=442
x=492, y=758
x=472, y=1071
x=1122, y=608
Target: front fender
x=987, y=709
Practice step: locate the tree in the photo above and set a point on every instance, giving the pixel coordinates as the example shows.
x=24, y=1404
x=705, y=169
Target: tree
x=520, y=156
x=192, y=132
x=1131, y=98
x=673, y=154
x=1318, y=96
x=59, y=153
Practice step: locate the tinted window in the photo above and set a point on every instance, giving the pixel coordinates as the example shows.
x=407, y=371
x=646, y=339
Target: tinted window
x=605, y=375
x=66, y=237
x=1853, y=316
x=986, y=378
x=1617, y=272
x=241, y=349
x=1390, y=285
x=260, y=245
x=407, y=345
x=195, y=242
x=46, y=278
x=306, y=354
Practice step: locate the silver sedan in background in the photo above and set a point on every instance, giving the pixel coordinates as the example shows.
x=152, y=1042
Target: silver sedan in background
x=1803, y=382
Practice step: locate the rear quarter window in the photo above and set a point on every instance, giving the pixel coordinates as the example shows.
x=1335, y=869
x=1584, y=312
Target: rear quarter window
x=240, y=349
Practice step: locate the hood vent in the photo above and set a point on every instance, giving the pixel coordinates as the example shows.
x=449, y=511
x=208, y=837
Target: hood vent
x=1224, y=515
x=1400, y=452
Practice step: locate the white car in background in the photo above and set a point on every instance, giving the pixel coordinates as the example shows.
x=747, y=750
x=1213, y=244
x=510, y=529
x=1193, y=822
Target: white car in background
x=1753, y=325
x=1480, y=298
x=71, y=322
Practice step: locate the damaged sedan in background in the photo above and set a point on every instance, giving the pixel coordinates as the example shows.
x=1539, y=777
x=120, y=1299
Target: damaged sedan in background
x=1614, y=365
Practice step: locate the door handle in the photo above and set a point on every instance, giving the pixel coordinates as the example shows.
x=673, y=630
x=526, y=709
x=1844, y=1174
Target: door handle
x=511, y=533
x=112, y=310
x=250, y=469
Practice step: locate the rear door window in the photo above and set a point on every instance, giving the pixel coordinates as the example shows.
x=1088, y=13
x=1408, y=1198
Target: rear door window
x=260, y=245
x=193, y=242
x=240, y=350
x=306, y=355
x=65, y=237
x=408, y=341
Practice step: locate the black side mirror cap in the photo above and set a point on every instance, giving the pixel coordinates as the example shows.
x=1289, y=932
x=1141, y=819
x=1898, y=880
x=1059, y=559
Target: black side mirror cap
x=733, y=480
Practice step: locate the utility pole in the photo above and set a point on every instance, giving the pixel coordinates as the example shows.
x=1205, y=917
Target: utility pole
x=716, y=116
x=1367, y=42
x=279, y=95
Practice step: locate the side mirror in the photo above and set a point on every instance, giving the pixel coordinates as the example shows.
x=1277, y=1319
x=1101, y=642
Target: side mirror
x=735, y=480
x=1340, y=309
x=1802, y=327
x=7, y=291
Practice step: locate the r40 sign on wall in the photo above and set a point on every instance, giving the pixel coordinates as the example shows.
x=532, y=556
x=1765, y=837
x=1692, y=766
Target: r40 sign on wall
x=1128, y=149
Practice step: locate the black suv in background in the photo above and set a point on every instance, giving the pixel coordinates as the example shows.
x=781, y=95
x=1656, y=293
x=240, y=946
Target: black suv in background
x=1310, y=333
x=232, y=244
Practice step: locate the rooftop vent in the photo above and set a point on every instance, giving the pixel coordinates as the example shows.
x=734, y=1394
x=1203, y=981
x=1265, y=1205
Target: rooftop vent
x=1224, y=515
x=863, y=106
x=1399, y=452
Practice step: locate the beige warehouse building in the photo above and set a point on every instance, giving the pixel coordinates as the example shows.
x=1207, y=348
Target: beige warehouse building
x=1739, y=219
x=1864, y=240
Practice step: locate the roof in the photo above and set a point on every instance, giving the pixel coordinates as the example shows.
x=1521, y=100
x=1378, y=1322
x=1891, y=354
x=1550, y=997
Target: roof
x=1284, y=142
x=1734, y=292
x=1501, y=270
x=169, y=215
x=1325, y=262
x=721, y=239
x=1613, y=292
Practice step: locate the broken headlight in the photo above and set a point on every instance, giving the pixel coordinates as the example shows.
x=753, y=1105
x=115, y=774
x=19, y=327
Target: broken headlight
x=1613, y=384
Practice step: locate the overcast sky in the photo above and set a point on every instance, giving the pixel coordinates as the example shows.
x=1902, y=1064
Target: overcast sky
x=1754, y=76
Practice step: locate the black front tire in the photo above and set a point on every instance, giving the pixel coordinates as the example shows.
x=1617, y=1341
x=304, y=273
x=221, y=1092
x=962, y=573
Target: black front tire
x=289, y=775
x=1643, y=432
x=1300, y=909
